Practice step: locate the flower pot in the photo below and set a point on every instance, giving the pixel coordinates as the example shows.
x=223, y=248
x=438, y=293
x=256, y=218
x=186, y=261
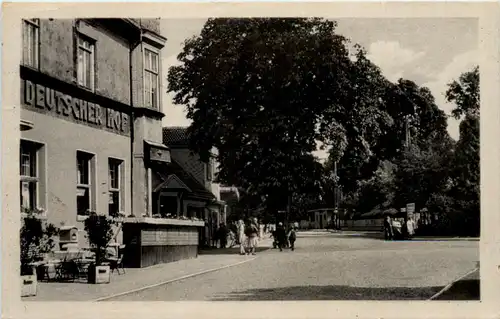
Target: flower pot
x=28, y=284
x=99, y=274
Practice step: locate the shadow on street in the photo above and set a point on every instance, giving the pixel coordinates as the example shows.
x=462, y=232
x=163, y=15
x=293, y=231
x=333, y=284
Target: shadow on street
x=465, y=289
x=227, y=251
x=462, y=290
x=371, y=235
x=331, y=293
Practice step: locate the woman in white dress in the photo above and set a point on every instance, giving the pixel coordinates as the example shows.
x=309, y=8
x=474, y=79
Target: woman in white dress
x=241, y=236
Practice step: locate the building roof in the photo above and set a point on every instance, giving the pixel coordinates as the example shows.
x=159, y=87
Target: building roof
x=175, y=136
x=198, y=190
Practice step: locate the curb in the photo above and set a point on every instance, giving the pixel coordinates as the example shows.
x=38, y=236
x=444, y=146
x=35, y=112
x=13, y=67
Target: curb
x=448, y=287
x=173, y=280
x=446, y=239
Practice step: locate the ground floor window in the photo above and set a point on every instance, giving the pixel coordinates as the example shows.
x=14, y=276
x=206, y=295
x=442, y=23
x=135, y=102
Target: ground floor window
x=29, y=174
x=115, y=167
x=197, y=212
x=85, y=181
x=169, y=206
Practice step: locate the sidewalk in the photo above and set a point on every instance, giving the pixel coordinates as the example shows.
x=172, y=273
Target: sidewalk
x=376, y=235
x=135, y=278
x=467, y=288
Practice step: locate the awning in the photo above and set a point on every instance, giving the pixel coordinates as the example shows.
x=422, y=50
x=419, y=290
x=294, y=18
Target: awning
x=157, y=152
x=230, y=190
x=26, y=125
x=216, y=204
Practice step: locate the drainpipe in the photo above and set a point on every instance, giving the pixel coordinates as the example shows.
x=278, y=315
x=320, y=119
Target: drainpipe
x=132, y=121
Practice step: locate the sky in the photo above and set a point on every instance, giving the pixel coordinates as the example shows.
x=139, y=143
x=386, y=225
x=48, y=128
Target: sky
x=429, y=51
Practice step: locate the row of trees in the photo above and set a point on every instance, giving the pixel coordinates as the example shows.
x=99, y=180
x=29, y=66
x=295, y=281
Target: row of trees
x=265, y=91
x=433, y=170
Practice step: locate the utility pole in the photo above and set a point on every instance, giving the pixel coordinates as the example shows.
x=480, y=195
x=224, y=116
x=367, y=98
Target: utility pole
x=407, y=131
x=335, y=193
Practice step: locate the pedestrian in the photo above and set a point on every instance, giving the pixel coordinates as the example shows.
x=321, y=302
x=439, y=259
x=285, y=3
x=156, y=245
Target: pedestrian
x=241, y=236
x=292, y=236
x=222, y=235
x=252, y=233
x=215, y=237
x=232, y=236
x=388, y=232
x=280, y=236
x=410, y=228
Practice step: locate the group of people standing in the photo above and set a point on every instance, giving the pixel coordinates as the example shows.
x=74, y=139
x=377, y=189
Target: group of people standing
x=247, y=233
x=243, y=233
x=403, y=228
x=284, y=238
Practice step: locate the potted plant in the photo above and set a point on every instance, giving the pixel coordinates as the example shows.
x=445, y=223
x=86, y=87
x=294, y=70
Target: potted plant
x=36, y=239
x=99, y=233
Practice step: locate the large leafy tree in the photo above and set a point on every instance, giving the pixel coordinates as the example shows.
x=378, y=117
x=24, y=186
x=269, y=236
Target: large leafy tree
x=263, y=91
x=409, y=107
x=464, y=93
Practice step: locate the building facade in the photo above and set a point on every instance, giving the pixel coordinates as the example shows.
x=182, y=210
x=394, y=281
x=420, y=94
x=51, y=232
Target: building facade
x=204, y=172
x=91, y=115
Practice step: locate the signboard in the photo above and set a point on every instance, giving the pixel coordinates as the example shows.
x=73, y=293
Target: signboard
x=410, y=208
x=37, y=97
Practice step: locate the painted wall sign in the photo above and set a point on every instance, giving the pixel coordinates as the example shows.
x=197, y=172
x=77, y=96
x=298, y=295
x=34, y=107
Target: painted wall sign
x=410, y=208
x=40, y=98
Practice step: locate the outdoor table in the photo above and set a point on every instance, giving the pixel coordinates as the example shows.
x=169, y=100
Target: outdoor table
x=47, y=265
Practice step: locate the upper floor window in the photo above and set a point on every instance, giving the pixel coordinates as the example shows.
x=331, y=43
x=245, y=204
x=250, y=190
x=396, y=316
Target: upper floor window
x=151, y=83
x=85, y=63
x=31, y=34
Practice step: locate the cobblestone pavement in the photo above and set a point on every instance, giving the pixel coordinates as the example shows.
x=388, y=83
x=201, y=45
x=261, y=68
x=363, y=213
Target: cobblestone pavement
x=330, y=267
x=133, y=279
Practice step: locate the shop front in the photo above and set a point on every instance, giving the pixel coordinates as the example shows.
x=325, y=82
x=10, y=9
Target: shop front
x=176, y=227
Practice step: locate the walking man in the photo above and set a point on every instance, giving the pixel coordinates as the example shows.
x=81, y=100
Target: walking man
x=410, y=227
x=292, y=236
x=252, y=235
x=389, y=235
x=281, y=236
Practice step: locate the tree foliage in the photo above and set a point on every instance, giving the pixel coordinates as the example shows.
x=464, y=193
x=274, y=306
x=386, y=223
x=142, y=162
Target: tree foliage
x=465, y=92
x=263, y=91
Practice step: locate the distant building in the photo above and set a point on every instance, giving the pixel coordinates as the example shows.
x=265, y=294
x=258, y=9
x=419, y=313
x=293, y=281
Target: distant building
x=204, y=173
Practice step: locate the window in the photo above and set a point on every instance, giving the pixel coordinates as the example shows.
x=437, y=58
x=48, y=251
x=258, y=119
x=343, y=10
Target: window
x=84, y=183
x=114, y=186
x=151, y=83
x=85, y=63
x=28, y=175
x=31, y=34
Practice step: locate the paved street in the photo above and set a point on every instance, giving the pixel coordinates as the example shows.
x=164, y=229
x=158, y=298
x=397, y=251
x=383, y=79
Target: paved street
x=330, y=267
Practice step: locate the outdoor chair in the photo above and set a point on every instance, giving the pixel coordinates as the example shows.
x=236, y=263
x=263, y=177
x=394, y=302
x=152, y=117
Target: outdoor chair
x=67, y=270
x=116, y=263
